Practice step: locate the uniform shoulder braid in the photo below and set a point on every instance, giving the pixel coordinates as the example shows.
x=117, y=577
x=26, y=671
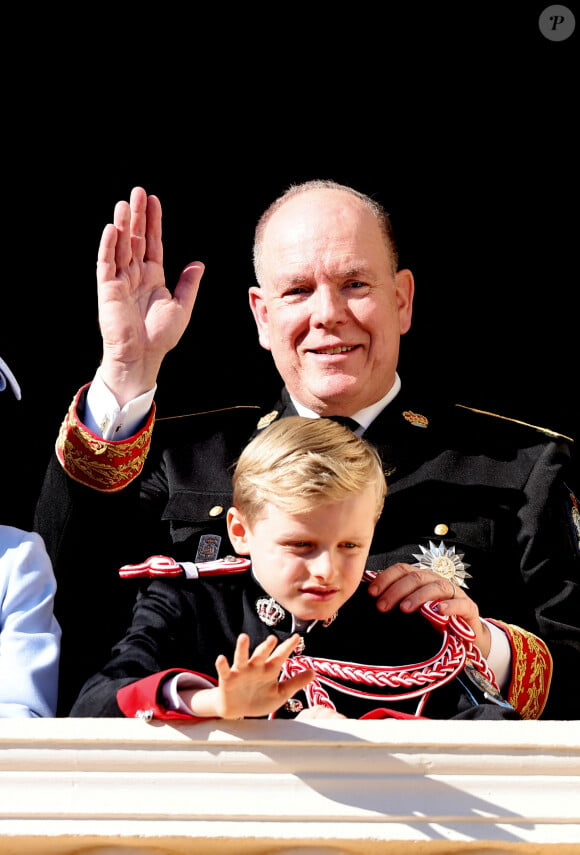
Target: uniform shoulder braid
x=215, y=411
x=207, y=419
x=165, y=567
x=546, y=431
x=238, y=422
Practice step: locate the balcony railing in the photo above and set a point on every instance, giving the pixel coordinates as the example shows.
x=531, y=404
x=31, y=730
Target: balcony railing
x=117, y=786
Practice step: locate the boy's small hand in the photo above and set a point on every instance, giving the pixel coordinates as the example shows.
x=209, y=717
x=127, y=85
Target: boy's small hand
x=250, y=686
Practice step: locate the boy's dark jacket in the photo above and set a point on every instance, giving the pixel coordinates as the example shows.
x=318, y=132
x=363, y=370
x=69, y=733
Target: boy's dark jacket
x=183, y=624
x=496, y=490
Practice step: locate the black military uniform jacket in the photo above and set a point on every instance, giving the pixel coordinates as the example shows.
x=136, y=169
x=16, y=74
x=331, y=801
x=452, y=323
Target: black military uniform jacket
x=183, y=625
x=493, y=489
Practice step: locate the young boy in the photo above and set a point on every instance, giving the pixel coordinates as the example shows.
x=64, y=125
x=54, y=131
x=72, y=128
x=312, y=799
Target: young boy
x=295, y=632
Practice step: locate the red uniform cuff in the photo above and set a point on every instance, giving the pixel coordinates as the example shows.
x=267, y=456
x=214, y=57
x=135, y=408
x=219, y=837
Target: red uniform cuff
x=531, y=670
x=104, y=465
x=141, y=698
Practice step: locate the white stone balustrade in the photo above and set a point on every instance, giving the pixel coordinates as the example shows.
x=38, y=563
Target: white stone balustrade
x=127, y=787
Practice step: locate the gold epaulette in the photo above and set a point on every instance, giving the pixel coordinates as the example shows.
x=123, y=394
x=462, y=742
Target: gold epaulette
x=547, y=431
x=531, y=670
x=104, y=465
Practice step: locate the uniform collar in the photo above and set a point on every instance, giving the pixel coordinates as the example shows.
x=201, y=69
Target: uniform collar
x=365, y=416
x=273, y=614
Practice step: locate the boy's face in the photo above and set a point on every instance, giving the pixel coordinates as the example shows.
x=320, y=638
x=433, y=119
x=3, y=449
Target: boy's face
x=310, y=563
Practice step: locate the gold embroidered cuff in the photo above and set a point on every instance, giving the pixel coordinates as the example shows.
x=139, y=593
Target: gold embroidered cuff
x=531, y=670
x=104, y=465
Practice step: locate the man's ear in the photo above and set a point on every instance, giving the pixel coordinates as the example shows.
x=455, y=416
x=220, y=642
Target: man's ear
x=260, y=313
x=405, y=285
x=238, y=531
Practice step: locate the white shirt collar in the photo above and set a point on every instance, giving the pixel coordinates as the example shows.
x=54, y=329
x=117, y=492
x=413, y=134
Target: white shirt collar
x=365, y=416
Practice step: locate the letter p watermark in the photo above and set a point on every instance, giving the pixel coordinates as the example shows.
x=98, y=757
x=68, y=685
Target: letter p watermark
x=557, y=23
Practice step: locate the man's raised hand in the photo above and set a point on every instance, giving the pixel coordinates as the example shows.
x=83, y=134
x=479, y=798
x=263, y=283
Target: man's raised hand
x=140, y=319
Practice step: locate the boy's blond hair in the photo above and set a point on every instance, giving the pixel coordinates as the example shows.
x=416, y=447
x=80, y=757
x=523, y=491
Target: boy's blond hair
x=298, y=464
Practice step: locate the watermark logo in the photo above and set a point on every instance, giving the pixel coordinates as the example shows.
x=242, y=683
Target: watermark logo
x=557, y=23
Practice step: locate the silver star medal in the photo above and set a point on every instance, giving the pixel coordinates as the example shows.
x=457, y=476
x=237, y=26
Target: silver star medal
x=444, y=561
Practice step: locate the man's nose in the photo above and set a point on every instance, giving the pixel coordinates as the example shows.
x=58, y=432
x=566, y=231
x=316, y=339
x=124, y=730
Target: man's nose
x=329, y=307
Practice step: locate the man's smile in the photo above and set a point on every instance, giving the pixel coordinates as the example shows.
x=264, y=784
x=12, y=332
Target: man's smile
x=331, y=351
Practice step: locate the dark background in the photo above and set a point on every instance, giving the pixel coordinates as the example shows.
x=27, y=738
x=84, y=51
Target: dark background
x=462, y=121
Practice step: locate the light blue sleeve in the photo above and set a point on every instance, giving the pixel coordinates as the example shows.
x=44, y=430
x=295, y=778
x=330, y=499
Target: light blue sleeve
x=29, y=632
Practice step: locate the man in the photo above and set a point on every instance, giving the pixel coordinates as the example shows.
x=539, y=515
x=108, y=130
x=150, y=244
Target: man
x=474, y=500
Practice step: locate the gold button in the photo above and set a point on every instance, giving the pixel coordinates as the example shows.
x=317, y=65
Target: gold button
x=441, y=529
x=216, y=511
